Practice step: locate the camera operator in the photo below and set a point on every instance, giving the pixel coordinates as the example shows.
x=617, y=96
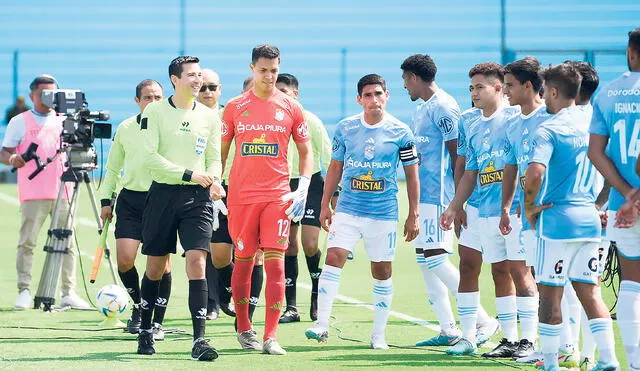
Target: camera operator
x=39, y=126
x=135, y=183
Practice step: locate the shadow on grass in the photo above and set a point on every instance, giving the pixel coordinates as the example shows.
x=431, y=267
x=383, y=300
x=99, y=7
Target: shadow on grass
x=109, y=356
x=323, y=348
x=382, y=359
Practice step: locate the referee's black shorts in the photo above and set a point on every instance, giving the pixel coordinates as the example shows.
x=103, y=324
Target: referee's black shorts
x=129, y=210
x=314, y=200
x=222, y=234
x=183, y=209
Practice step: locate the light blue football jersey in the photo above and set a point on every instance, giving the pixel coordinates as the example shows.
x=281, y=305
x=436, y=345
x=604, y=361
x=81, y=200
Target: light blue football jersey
x=616, y=114
x=371, y=155
x=519, y=133
x=570, y=180
x=467, y=118
x=487, y=149
x=434, y=123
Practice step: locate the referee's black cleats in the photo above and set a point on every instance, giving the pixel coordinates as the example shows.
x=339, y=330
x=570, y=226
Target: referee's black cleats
x=146, y=343
x=227, y=309
x=290, y=315
x=202, y=351
x=504, y=350
x=133, y=325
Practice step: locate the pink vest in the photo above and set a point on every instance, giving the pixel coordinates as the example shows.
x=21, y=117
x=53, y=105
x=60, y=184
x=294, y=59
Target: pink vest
x=44, y=186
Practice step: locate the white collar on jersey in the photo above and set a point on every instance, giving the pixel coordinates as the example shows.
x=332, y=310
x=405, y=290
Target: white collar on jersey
x=524, y=117
x=375, y=126
x=497, y=112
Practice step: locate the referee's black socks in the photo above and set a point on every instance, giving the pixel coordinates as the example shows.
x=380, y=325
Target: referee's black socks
x=198, y=293
x=256, y=286
x=164, y=293
x=224, y=279
x=131, y=282
x=290, y=279
x=149, y=293
x=313, y=263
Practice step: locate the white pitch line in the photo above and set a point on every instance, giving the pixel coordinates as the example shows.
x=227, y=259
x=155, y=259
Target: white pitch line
x=402, y=316
x=347, y=299
x=81, y=220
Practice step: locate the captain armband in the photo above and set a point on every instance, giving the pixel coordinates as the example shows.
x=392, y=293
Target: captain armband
x=408, y=153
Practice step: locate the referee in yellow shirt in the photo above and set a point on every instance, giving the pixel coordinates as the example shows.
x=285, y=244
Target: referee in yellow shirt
x=181, y=148
x=125, y=156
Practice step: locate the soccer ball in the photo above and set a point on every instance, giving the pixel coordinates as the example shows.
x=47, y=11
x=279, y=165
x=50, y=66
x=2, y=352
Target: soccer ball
x=112, y=301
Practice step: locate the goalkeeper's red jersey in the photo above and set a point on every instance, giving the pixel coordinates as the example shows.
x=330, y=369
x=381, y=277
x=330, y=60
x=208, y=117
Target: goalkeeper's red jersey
x=261, y=129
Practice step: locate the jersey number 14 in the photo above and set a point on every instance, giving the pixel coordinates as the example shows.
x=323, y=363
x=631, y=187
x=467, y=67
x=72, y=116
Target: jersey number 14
x=634, y=144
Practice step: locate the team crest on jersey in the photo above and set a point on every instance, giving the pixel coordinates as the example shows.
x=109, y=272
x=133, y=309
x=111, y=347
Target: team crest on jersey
x=303, y=130
x=366, y=183
x=279, y=114
x=486, y=145
x=240, y=245
x=370, y=149
x=225, y=129
x=526, y=144
x=446, y=124
x=490, y=175
x=259, y=147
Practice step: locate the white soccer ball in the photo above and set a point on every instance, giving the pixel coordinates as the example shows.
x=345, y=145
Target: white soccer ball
x=112, y=301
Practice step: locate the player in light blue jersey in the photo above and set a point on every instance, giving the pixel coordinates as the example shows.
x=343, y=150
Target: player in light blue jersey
x=522, y=86
x=560, y=194
x=613, y=148
x=435, y=126
x=486, y=157
x=367, y=149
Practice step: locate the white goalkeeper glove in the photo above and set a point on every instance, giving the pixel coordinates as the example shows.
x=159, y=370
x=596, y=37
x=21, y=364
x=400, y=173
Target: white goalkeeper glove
x=298, y=199
x=218, y=207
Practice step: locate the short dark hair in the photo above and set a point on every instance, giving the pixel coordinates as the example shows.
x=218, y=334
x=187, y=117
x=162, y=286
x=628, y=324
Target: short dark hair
x=288, y=79
x=590, y=79
x=266, y=51
x=564, y=77
x=421, y=65
x=488, y=69
x=526, y=69
x=634, y=40
x=371, y=79
x=246, y=82
x=176, y=65
x=143, y=84
x=42, y=79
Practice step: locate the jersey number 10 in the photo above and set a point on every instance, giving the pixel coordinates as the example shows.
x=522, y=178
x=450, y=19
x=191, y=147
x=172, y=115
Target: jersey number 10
x=634, y=144
x=586, y=176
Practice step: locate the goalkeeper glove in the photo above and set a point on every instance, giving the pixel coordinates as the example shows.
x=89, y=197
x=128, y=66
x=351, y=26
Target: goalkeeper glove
x=218, y=207
x=298, y=199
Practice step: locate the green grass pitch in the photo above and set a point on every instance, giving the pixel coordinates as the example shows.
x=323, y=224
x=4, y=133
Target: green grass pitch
x=72, y=340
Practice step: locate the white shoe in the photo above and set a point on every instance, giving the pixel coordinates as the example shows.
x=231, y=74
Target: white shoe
x=158, y=332
x=533, y=358
x=377, y=342
x=271, y=346
x=486, y=330
x=75, y=302
x=23, y=301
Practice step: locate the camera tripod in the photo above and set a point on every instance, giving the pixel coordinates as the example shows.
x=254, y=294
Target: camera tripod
x=60, y=235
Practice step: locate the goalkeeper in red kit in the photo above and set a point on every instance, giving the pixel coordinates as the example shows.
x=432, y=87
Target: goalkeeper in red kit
x=260, y=202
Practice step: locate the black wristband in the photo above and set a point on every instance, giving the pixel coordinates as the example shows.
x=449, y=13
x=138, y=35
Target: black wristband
x=105, y=202
x=187, y=175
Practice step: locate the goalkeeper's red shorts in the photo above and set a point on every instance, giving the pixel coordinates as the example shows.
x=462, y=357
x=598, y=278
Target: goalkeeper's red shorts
x=260, y=225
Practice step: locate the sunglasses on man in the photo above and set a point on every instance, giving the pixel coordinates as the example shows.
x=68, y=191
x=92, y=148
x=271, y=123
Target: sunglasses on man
x=211, y=87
